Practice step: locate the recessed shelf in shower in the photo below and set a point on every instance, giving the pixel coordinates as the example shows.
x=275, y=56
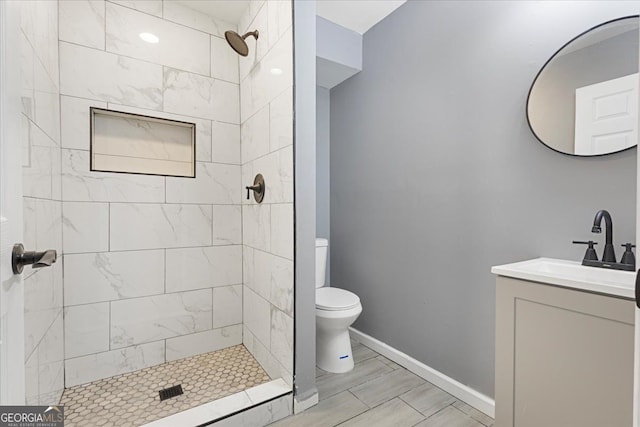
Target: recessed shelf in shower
x=134, y=143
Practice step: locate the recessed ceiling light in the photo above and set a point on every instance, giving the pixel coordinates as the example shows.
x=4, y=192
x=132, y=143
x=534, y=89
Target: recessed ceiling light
x=276, y=71
x=149, y=38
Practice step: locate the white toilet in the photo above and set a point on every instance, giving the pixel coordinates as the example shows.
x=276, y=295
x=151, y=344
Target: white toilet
x=336, y=310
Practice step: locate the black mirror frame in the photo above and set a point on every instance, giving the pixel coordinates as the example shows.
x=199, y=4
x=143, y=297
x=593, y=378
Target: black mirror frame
x=542, y=69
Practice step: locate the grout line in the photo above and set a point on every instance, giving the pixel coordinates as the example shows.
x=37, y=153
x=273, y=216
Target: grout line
x=153, y=249
x=167, y=113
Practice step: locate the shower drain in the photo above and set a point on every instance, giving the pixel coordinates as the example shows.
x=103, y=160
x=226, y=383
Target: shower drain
x=170, y=392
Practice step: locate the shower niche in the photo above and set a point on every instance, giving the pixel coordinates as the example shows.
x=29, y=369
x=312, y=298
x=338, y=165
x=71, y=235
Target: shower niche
x=133, y=143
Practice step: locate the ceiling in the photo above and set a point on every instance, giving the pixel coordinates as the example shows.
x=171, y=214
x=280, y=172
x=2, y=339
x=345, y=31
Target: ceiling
x=356, y=15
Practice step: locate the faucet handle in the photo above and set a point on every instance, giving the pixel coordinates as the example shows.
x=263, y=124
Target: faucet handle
x=590, y=254
x=628, y=257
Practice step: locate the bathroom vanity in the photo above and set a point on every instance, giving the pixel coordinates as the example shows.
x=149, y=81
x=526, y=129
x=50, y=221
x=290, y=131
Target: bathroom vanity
x=564, y=345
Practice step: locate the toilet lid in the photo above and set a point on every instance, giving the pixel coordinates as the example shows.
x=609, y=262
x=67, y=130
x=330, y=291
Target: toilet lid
x=335, y=299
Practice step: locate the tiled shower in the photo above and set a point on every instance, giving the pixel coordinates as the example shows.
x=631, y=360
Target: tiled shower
x=155, y=268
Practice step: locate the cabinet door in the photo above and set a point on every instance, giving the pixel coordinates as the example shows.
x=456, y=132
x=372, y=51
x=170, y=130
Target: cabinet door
x=563, y=357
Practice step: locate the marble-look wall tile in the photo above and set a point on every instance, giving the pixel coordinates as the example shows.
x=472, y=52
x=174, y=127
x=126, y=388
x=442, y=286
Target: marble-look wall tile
x=261, y=86
x=82, y=22
x=34, y=136
x=37, y=176
x=257, y=315
x=51, y=383
x=282, y=338
x=282, y=230
x=182, y=14
x=258, y=265
x=150, y=226
x=272, y=278
x=46, y=102
x=51, y=363
x=226, y=143
x=248, y=176
x=203, y=342
x=281, y=120
x=40, y=231
x=227, y=225
x=85, y=227
x=56, y=176
x=227, y=306
x=255, y=135
x=47, y=224
x=198, y=268
x=31, y=379
x=256, y=226
x=248, y=267
x=152, y=7
x=43, y=303
x=203, y=127
x=27, y=78
x=39, y=88
x=257, y=48
x=249, y=14
x=74, y=126
x=140, y=320
x=214, y=183
x=86, y=329
x=179, y=47
x=224, y=61
x=92, y=74
x=82, y=370
x=81, y=184
x=198, y=96
x=39, y=22
x=277, y=169
x=108, y=276
x=262, y=354
x=280, y=19
x=29, y=234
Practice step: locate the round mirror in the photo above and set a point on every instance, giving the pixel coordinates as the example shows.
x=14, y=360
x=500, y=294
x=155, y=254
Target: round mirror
x=584, y=100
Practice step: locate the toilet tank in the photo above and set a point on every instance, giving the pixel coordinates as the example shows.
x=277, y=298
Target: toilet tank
x=321, y=260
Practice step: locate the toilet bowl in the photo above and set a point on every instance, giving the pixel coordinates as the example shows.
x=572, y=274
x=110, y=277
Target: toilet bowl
x=336, y=310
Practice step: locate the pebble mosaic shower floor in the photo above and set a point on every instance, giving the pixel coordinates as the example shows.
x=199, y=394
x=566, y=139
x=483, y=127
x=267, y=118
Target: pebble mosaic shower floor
x=132, y=399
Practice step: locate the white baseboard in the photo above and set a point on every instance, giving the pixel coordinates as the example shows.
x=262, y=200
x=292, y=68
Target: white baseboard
x=460, y=391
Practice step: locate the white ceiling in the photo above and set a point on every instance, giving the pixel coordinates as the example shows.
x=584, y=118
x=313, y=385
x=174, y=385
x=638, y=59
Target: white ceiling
x=227, y=10
x=357, y=15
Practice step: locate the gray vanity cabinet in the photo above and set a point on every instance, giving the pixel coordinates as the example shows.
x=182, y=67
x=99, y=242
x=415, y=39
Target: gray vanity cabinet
x=564, y=358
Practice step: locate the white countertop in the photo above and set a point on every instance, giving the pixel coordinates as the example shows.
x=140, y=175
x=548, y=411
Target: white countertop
x=571, y=274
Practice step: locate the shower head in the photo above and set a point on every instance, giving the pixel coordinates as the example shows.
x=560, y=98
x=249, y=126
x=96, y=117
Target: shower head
x=237, y=43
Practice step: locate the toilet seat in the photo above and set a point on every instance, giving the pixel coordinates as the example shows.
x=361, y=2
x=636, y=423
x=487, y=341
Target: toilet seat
x=335, y=299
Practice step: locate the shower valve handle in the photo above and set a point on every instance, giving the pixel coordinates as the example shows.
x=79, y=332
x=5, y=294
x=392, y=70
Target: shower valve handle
x=257, y=188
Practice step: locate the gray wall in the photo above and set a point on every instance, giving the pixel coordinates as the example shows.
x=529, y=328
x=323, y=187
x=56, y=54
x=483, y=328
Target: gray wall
x=435, y=176
x=322, y=168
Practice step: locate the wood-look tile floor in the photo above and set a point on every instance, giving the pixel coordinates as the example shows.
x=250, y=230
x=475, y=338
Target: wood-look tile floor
x=378, y=392
x=132, y=399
